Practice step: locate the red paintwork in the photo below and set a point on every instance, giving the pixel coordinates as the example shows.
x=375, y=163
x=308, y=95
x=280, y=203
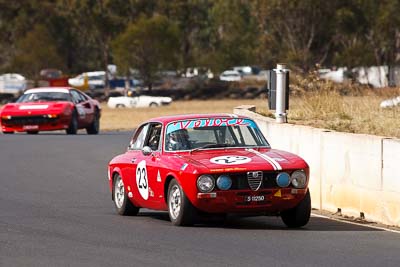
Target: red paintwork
x=63, y=110
x=169, y=165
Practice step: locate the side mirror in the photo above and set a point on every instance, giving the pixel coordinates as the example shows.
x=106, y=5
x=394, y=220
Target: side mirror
x=147, y=151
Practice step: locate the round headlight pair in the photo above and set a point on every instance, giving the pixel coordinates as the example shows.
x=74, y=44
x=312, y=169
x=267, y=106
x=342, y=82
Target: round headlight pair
x=298, y=179
x=206, y=183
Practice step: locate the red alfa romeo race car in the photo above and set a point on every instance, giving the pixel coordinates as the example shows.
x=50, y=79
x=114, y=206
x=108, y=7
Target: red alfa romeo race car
x=53, y=108
x=198, y=165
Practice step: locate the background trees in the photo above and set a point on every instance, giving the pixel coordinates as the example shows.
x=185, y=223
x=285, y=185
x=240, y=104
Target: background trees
x=84, y=35
x=150, y=46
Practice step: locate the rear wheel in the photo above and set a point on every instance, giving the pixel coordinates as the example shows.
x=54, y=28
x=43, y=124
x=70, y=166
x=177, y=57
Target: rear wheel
x=94, y=127
x=32, y=132
x=8, y=132
x=122, y=203
x=299, y=215
x=180, y=209
x=73, y=125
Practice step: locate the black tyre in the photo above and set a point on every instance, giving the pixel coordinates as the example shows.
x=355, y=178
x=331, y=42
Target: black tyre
x=8, y=132
x=121, y=201
x=94, y=127
x=120, y=106
x=180, y=209
x=32, y=132
x=153, y=105
x=299, y=215
x=73, y=125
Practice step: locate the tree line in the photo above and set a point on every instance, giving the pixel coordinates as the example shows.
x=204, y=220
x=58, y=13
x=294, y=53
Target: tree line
x=151, y=35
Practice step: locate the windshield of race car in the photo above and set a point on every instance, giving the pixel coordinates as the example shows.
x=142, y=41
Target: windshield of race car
x=213, y=133
x=44, y=97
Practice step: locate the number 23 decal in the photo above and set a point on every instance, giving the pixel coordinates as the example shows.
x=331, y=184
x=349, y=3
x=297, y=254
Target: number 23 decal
x=141, y=179
x=230, y=160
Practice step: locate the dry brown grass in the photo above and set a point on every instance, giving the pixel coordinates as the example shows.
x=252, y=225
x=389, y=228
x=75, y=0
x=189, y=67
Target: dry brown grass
x=126, y=118
x=360, y=114
x=327, y=109
x=327, y=105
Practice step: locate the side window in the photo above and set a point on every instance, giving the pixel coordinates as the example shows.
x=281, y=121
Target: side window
x=82, y=97
x=139, y=138
x=154, y=136
x=75, y=97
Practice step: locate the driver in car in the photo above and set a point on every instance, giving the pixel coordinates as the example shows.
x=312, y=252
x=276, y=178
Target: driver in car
x=178, y=140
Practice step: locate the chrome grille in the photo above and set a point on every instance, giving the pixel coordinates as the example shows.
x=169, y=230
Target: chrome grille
x=255, y=180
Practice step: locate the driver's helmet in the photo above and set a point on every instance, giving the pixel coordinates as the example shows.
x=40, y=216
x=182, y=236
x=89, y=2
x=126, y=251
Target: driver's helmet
x=178, y=140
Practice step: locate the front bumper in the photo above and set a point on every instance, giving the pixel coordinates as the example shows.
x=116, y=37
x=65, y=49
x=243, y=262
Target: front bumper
x=34, y=123
x=246, y=201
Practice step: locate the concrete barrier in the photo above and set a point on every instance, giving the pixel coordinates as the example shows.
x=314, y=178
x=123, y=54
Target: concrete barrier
x=355, y=173
x=391, y=181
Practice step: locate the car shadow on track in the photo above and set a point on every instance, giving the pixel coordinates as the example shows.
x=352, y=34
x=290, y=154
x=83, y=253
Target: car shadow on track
x=267, y=223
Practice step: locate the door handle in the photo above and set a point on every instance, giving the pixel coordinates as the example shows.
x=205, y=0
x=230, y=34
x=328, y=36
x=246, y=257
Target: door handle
x=133, y=160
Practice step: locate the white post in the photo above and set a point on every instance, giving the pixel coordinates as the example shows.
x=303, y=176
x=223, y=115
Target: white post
x=280, y=114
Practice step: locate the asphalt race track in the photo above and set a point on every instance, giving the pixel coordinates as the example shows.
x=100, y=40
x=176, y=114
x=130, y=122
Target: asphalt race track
x=56, y=210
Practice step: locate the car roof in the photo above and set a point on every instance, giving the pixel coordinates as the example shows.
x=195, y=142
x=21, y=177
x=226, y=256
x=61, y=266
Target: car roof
x=168, y=119
x=49, y=89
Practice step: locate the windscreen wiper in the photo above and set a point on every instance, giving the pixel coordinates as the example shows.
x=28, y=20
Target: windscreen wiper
x=211, y=146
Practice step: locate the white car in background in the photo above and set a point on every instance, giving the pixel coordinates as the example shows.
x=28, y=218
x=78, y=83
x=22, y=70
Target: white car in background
x=141, y=101
x=96, y=79
x=230, y=76
x=12, y=83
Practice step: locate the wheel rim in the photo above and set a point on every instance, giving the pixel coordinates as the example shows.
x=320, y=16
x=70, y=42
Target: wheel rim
x=174, y=202
x=119, y=193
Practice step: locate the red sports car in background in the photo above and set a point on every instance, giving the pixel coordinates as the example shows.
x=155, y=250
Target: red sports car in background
x=53, y=108
x=197, y=165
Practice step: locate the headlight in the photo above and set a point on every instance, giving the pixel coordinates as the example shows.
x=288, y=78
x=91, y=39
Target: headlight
x=283, y=179
x=224, y=182
x=299, y=179
x=205, y=183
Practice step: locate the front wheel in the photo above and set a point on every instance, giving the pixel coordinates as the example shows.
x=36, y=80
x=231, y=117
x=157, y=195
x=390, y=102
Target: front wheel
x=299, y=215
x=180, y=209
x=122, y=203
x=73, y=125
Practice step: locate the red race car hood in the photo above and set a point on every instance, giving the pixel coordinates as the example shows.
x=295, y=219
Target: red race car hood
x=245, y=159
x=21, y=109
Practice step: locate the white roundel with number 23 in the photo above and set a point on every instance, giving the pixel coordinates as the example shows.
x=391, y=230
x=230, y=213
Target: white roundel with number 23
x=141, y=180
x=230, y=160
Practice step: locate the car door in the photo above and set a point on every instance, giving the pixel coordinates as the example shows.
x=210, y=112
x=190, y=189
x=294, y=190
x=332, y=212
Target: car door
x=80, y=109
x=153, y=164
x=84, y=107
x=134, y=173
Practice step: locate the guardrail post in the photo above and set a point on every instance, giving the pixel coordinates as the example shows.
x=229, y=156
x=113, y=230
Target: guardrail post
x=281, y=94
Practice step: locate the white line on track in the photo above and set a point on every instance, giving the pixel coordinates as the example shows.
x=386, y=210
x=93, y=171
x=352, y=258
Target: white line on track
x=354, y=223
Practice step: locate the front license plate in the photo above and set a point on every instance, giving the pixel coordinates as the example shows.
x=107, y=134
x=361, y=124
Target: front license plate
x=254, y=198
x=31, y=127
